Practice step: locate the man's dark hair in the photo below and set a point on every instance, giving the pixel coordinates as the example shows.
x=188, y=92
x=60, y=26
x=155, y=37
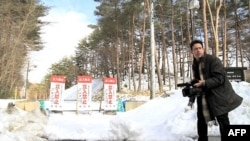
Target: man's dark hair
x=195, y=42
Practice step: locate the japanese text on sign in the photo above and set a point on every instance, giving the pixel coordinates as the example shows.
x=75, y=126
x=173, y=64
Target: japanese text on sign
x=84, y=92
x=57, y=87
x=57, y=95
x=110, y=93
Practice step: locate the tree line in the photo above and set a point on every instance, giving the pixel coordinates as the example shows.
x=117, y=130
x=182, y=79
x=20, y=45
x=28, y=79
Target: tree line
x=20, y=26
x=119, y=45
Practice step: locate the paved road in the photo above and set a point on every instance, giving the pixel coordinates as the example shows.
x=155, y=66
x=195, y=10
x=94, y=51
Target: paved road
x=211, y=138
x=214, y=138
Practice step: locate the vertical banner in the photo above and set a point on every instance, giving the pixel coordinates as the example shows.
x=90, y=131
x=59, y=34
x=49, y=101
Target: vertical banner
x=84, y=92
x=57, y=87
x=110, y=85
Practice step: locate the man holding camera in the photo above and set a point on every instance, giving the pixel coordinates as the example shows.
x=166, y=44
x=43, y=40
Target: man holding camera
x=217, y=98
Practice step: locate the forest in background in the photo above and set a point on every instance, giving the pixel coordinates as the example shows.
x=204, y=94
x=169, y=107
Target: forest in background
x=120, y=43
x=20, y=26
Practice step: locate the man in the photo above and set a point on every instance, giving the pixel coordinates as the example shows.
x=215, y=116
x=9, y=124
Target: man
x=218, y=97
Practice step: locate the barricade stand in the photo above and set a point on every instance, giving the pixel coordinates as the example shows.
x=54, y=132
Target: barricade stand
x=57, y=87
x=110, y=87
x=84, y=94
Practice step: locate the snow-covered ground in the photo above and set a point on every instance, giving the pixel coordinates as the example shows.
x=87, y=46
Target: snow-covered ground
x=163, y=118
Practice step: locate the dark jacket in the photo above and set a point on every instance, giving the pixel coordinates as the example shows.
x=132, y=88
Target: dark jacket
x=220, y=96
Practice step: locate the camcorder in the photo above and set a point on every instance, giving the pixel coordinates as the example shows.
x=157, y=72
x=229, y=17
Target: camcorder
x=190, y=91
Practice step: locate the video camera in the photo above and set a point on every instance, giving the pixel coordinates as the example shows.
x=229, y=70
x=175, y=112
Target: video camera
x=190, y=91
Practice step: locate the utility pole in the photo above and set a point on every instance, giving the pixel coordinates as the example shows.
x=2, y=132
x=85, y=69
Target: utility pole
x=26, y=80
x=152, y=46
x=193, y=5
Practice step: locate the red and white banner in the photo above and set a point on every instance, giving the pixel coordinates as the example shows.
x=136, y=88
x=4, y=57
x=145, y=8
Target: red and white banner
x=110, y=86
x=84, y=92
x=57, y=87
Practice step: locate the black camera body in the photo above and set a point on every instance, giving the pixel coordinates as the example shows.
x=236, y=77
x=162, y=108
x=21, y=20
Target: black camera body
x=190, y=91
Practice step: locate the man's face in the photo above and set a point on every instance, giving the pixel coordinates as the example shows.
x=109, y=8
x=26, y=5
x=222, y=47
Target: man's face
x=197, y=51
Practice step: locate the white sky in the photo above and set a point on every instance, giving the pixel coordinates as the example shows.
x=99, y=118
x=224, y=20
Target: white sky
x=162, y=119
x=69, y=20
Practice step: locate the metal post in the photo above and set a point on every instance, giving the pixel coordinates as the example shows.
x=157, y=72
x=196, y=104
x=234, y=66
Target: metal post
x=193, y=5
x=152, y=46
x=16, y=92
x=26, y=80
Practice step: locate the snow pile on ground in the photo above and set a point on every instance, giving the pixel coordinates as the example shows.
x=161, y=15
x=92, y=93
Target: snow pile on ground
x=18, y=122
x=163, y=119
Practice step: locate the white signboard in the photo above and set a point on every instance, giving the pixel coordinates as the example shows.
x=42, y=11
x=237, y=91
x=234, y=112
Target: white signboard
x=110, y=86
x=57, y=87
x=84, y=92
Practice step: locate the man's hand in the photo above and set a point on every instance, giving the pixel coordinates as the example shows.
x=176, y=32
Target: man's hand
x=200, y=83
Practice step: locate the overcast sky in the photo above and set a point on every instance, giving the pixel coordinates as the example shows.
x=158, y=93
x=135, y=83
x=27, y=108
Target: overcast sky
x=69, y=20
